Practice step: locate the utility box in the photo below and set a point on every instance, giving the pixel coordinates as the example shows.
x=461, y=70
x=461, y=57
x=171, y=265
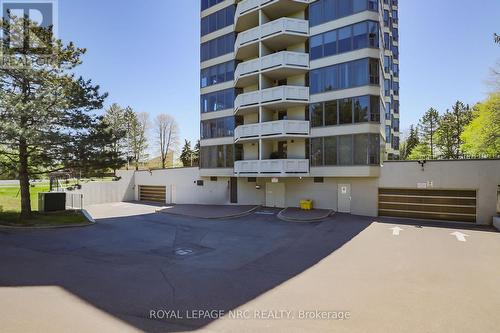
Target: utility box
x=51, y=201
x=306, y=204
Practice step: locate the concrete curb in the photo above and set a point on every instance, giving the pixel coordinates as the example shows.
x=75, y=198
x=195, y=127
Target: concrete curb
x=248, y=212
x=313, y=220
x=85, y=213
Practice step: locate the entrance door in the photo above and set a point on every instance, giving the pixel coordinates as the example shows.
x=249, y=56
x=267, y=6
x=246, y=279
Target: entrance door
x=344, y=198
x=234, y=189
x=275, y=195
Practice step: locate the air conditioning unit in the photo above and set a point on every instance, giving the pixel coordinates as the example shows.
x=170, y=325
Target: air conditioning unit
x=51, y=201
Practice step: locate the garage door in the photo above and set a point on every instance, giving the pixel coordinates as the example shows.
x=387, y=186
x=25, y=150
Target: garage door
x=449, y=205
x=152, y=193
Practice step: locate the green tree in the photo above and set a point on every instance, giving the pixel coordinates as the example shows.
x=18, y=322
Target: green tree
x=116, y=131
x=43, y=106
x=445, y=136
x=139, y=124
x=462, y=115
x=196, y=153
x=410, y=143
x=187, y=154
x=482, y=135
x=427, y=127
x=421, y=151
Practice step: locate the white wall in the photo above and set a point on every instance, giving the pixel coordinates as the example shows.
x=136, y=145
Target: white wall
x=481, y=175
x=105, y=192
x=184, y=182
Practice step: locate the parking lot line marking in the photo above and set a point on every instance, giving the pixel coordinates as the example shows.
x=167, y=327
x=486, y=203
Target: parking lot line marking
x=396, y=231
x=460, y=236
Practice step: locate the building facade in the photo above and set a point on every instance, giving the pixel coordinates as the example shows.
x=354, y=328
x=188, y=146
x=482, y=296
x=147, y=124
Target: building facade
x=299, y=98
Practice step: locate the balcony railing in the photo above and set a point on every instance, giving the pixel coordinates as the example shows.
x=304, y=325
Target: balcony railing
x=274, y=60
x=272, y=128
x=272, y=167
x=246, y=6
x=280, y=94
x=280, y=26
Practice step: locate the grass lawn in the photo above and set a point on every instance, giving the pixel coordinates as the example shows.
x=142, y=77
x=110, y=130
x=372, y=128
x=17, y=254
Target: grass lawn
x=10, y=208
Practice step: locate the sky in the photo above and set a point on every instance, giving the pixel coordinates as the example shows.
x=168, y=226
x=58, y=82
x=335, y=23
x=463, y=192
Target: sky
x=145, y=54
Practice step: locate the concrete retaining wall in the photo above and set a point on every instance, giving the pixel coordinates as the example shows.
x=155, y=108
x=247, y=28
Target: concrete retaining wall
x=105, y=192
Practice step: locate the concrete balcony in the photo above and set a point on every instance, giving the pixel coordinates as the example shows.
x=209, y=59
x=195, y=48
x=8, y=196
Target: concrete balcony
x=247, y=12
x=272, y=167
x=281, y=96
x=276, y=66
x=272, y=129
x=276, y=35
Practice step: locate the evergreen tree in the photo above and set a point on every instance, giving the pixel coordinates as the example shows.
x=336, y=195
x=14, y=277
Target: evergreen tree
x=187, y=154
x=427, y=126
x=116, y=131
x=196, y=154
x=411, y=142
x=43, y=105
x=462, y=116
x=445, y=136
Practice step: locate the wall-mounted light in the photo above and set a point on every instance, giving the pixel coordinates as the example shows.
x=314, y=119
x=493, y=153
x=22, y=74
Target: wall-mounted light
x=422, y=163
x=257, y=187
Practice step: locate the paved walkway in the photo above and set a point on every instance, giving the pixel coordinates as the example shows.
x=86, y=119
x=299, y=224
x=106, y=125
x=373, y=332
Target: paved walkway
x=209, y=211
x=299, y=215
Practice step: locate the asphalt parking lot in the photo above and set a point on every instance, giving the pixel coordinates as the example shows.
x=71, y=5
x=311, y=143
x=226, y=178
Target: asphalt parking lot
x=136, y=270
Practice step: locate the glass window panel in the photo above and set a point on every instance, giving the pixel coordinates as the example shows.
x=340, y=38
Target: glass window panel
x=374, y=71
x=374, y=149
x=315, y=81
x=359, y=72
x=221, y=73
x=344, y=39
x=317, y=151
x=361, y=109
x=330, y=78
x=359, y=5
x=331, y=113
x=221, y=18
x=230, y=71
x=220, y=157
x=344, y=7
x=344, y=81
x=345, y=111
x=330, y=41
x=360, y=33
x=361, y=149
x=229, y=99
x=345, y=149
x=316, y=50
x=373, y=34
x=330, y=146
x=212, y=22
x=315, y=13
x=316, y=114
x=374, y=109
x=229, y=156
x=330, y=10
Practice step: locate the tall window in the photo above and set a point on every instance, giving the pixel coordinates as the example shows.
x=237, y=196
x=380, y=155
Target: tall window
x=217, y=74
x=360, y=109
x=217, y=156
x=323, y=11
x=216, y=47
x=346, y=75
x=217, y=20
x=353, y=37
x=345, y=150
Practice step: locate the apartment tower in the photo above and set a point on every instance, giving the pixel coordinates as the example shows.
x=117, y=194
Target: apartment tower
x=299, y=99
